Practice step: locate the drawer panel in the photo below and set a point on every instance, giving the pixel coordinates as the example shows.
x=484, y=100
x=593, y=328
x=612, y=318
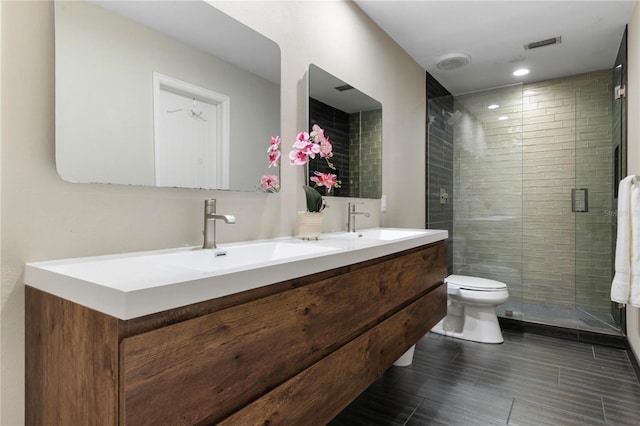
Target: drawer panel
x=206, y=368
x=319, y=393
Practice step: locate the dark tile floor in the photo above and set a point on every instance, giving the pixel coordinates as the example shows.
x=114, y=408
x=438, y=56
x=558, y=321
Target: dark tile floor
x=528, y=380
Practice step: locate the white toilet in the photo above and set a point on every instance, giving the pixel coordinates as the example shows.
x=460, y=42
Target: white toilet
x=471, y=309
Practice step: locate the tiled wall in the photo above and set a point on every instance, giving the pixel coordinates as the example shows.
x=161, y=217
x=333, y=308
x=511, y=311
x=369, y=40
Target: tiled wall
x=488, y=187
x=595, y=243
x=513, y=218
x=567, y=144
x=439, y=161
x=366, y=131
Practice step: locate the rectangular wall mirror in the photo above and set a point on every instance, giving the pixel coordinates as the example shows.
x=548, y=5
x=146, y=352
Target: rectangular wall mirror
x=163, y=93
x=353, y=122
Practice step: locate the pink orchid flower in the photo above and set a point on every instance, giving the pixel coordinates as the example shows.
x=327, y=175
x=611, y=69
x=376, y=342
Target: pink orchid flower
x=274, y=151
x=304, y=150
x=298, y=158
x=302, y=137
x=304, y=144
x=311, y=149
x=274, y=157
x=269, y=183
x=317, y=136
x=326, y=148
x=317, y=133
x=328, y=180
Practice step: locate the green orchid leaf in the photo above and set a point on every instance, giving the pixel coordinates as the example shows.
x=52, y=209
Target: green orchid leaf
x=314, y=199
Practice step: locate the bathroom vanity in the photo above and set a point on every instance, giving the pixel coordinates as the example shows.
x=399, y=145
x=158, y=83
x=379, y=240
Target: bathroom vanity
x=290, y=338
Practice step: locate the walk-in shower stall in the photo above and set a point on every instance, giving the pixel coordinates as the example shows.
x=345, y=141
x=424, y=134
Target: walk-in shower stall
x=524, y=177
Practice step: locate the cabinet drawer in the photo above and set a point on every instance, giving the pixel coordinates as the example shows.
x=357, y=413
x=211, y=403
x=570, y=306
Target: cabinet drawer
x=204, y=369
x=319, y=393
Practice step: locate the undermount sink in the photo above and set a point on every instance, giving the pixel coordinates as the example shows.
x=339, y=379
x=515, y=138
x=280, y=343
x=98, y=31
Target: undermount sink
x=238, y=256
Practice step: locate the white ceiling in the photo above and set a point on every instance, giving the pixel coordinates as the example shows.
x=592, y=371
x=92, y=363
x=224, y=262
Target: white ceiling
x=494, y=33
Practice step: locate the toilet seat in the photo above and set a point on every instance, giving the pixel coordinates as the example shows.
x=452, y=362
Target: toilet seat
x=455, y=283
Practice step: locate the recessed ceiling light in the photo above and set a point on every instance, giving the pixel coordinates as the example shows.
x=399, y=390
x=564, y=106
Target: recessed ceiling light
x=529, y=92
x=493, y=106
x=521, y=71
x=503, y=117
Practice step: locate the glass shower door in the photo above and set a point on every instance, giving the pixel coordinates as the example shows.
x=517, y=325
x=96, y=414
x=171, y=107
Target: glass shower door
x=487, y=189
x=619, y=140
x=593, y=204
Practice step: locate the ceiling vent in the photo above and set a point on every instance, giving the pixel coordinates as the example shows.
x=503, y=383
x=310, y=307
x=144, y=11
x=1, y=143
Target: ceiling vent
x=542, y=43
x=451, y=61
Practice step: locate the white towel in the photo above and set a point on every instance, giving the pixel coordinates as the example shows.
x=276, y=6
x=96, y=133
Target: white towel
x=634, y=298
x=627, y=263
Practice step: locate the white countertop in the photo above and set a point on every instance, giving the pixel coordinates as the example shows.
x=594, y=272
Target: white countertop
x=132, y=285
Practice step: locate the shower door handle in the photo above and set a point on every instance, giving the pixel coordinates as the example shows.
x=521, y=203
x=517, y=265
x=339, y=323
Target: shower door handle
x=580, y=200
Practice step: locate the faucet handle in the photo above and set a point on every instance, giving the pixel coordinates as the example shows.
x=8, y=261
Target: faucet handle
x=209, y=206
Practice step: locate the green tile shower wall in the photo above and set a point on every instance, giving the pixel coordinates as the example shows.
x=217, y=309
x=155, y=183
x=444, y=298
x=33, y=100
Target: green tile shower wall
x=594, y=169
x=368, y=172
x=439, y=161
x=513, y=180
x=488, y=187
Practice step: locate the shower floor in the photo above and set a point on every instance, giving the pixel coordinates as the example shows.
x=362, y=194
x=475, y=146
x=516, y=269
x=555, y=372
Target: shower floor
x=560, y=316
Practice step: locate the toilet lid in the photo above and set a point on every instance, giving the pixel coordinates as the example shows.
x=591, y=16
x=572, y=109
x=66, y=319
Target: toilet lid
x=473, y=283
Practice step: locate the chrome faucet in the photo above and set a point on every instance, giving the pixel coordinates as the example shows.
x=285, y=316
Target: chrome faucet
x=210, y=217
x=351, y=217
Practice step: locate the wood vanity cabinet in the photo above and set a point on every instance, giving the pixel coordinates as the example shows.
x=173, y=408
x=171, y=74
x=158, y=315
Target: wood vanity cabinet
x=295, y=352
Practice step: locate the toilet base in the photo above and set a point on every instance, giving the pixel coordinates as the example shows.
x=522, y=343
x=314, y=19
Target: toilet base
x=478, y=324
x=406, y=359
